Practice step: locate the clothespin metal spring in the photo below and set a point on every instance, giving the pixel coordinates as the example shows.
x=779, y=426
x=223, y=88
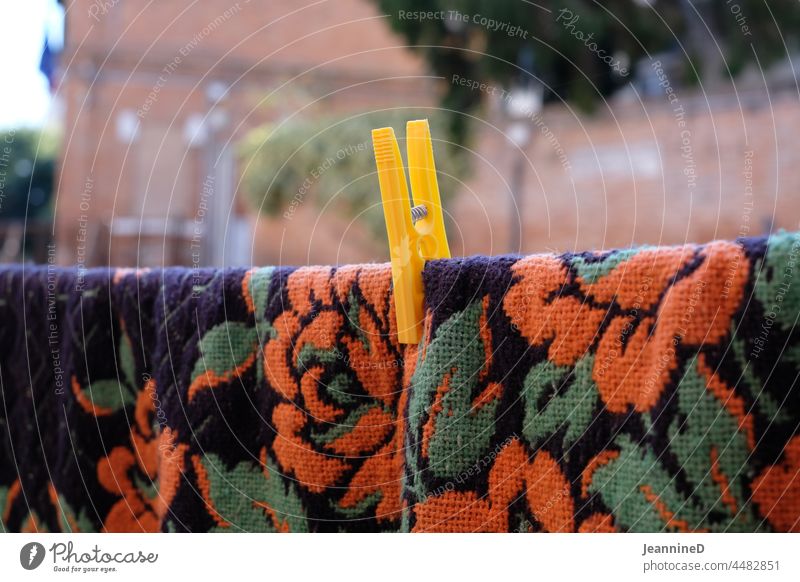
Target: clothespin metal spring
x=418, y=212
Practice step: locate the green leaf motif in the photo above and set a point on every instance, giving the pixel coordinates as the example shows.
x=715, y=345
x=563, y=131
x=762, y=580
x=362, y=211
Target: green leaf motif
x=766, y=403
x=127, y=361
x=625, y=482
x=704, y=428
x=3, y=504
x=333, y=431
x=260, y=501
x=260, y=280
x=353, y=319
x=462, y=433
x=572, y=407
x=110, y=395
x=593, y=271
x=225, y=347
x=644, y=496
x=360, y=509
x=310, y=354
x=777, y=285
x=340, y=389
x=71, y=522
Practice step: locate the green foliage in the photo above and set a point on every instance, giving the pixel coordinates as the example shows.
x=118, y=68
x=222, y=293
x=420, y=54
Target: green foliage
x=27, y=167
x=3, y=503
x=777, y=287
x=704, y=428
x=259, y=289
x=642, y=494
x=624, y=485
x=489, y=52
x=227, y=347
x=224, y=348
x=260, y=501
x=572, y=405
x=72, y=522
x=127, y=363
x=326, y=161
x=592, y=271
x=108, y=394
x=463, y=431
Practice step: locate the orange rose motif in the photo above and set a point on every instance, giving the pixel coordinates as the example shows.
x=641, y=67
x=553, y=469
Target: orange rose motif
x=130, y=472
x=338, y=328
x=651, y=306
x=542, y=311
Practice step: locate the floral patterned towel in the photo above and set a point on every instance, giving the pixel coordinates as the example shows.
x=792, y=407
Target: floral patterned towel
x=652, y=389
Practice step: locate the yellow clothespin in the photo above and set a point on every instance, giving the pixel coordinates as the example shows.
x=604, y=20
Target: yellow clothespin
x=415, y=234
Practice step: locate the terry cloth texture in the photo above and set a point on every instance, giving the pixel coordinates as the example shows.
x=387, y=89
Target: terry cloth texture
x=653, y=389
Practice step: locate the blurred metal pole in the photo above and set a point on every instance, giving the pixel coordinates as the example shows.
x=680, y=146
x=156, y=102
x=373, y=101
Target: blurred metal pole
x=522, y=104
x=219, y=176
x=516, y=223
x=519, y=135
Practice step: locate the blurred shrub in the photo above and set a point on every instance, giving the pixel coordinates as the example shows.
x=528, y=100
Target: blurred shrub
x=328, y=161
x=27, y=168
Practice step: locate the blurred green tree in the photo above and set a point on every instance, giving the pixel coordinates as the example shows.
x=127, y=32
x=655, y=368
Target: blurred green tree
x=27, y=167
x=330, y=161
x=483, y=40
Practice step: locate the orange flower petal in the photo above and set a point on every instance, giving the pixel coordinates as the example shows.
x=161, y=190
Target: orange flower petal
x=317, y=408
x=598, y=523
x=638, y=282
x=129, y=515
x=370, y=430
x=309, y=284
x=507, y=475
x=374, y=363
x=278, y=353
x=549, y=494
x=569, y=322
x=378, y=473
x=313, y=470
x=112, y=471
x=458, y=511
x=777, y=490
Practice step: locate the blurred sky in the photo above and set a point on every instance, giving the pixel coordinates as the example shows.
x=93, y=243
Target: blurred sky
x=24, y=93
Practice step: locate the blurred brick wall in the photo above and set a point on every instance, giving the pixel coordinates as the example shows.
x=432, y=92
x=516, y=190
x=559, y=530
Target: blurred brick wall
x=632, y=174
x=144, y=131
